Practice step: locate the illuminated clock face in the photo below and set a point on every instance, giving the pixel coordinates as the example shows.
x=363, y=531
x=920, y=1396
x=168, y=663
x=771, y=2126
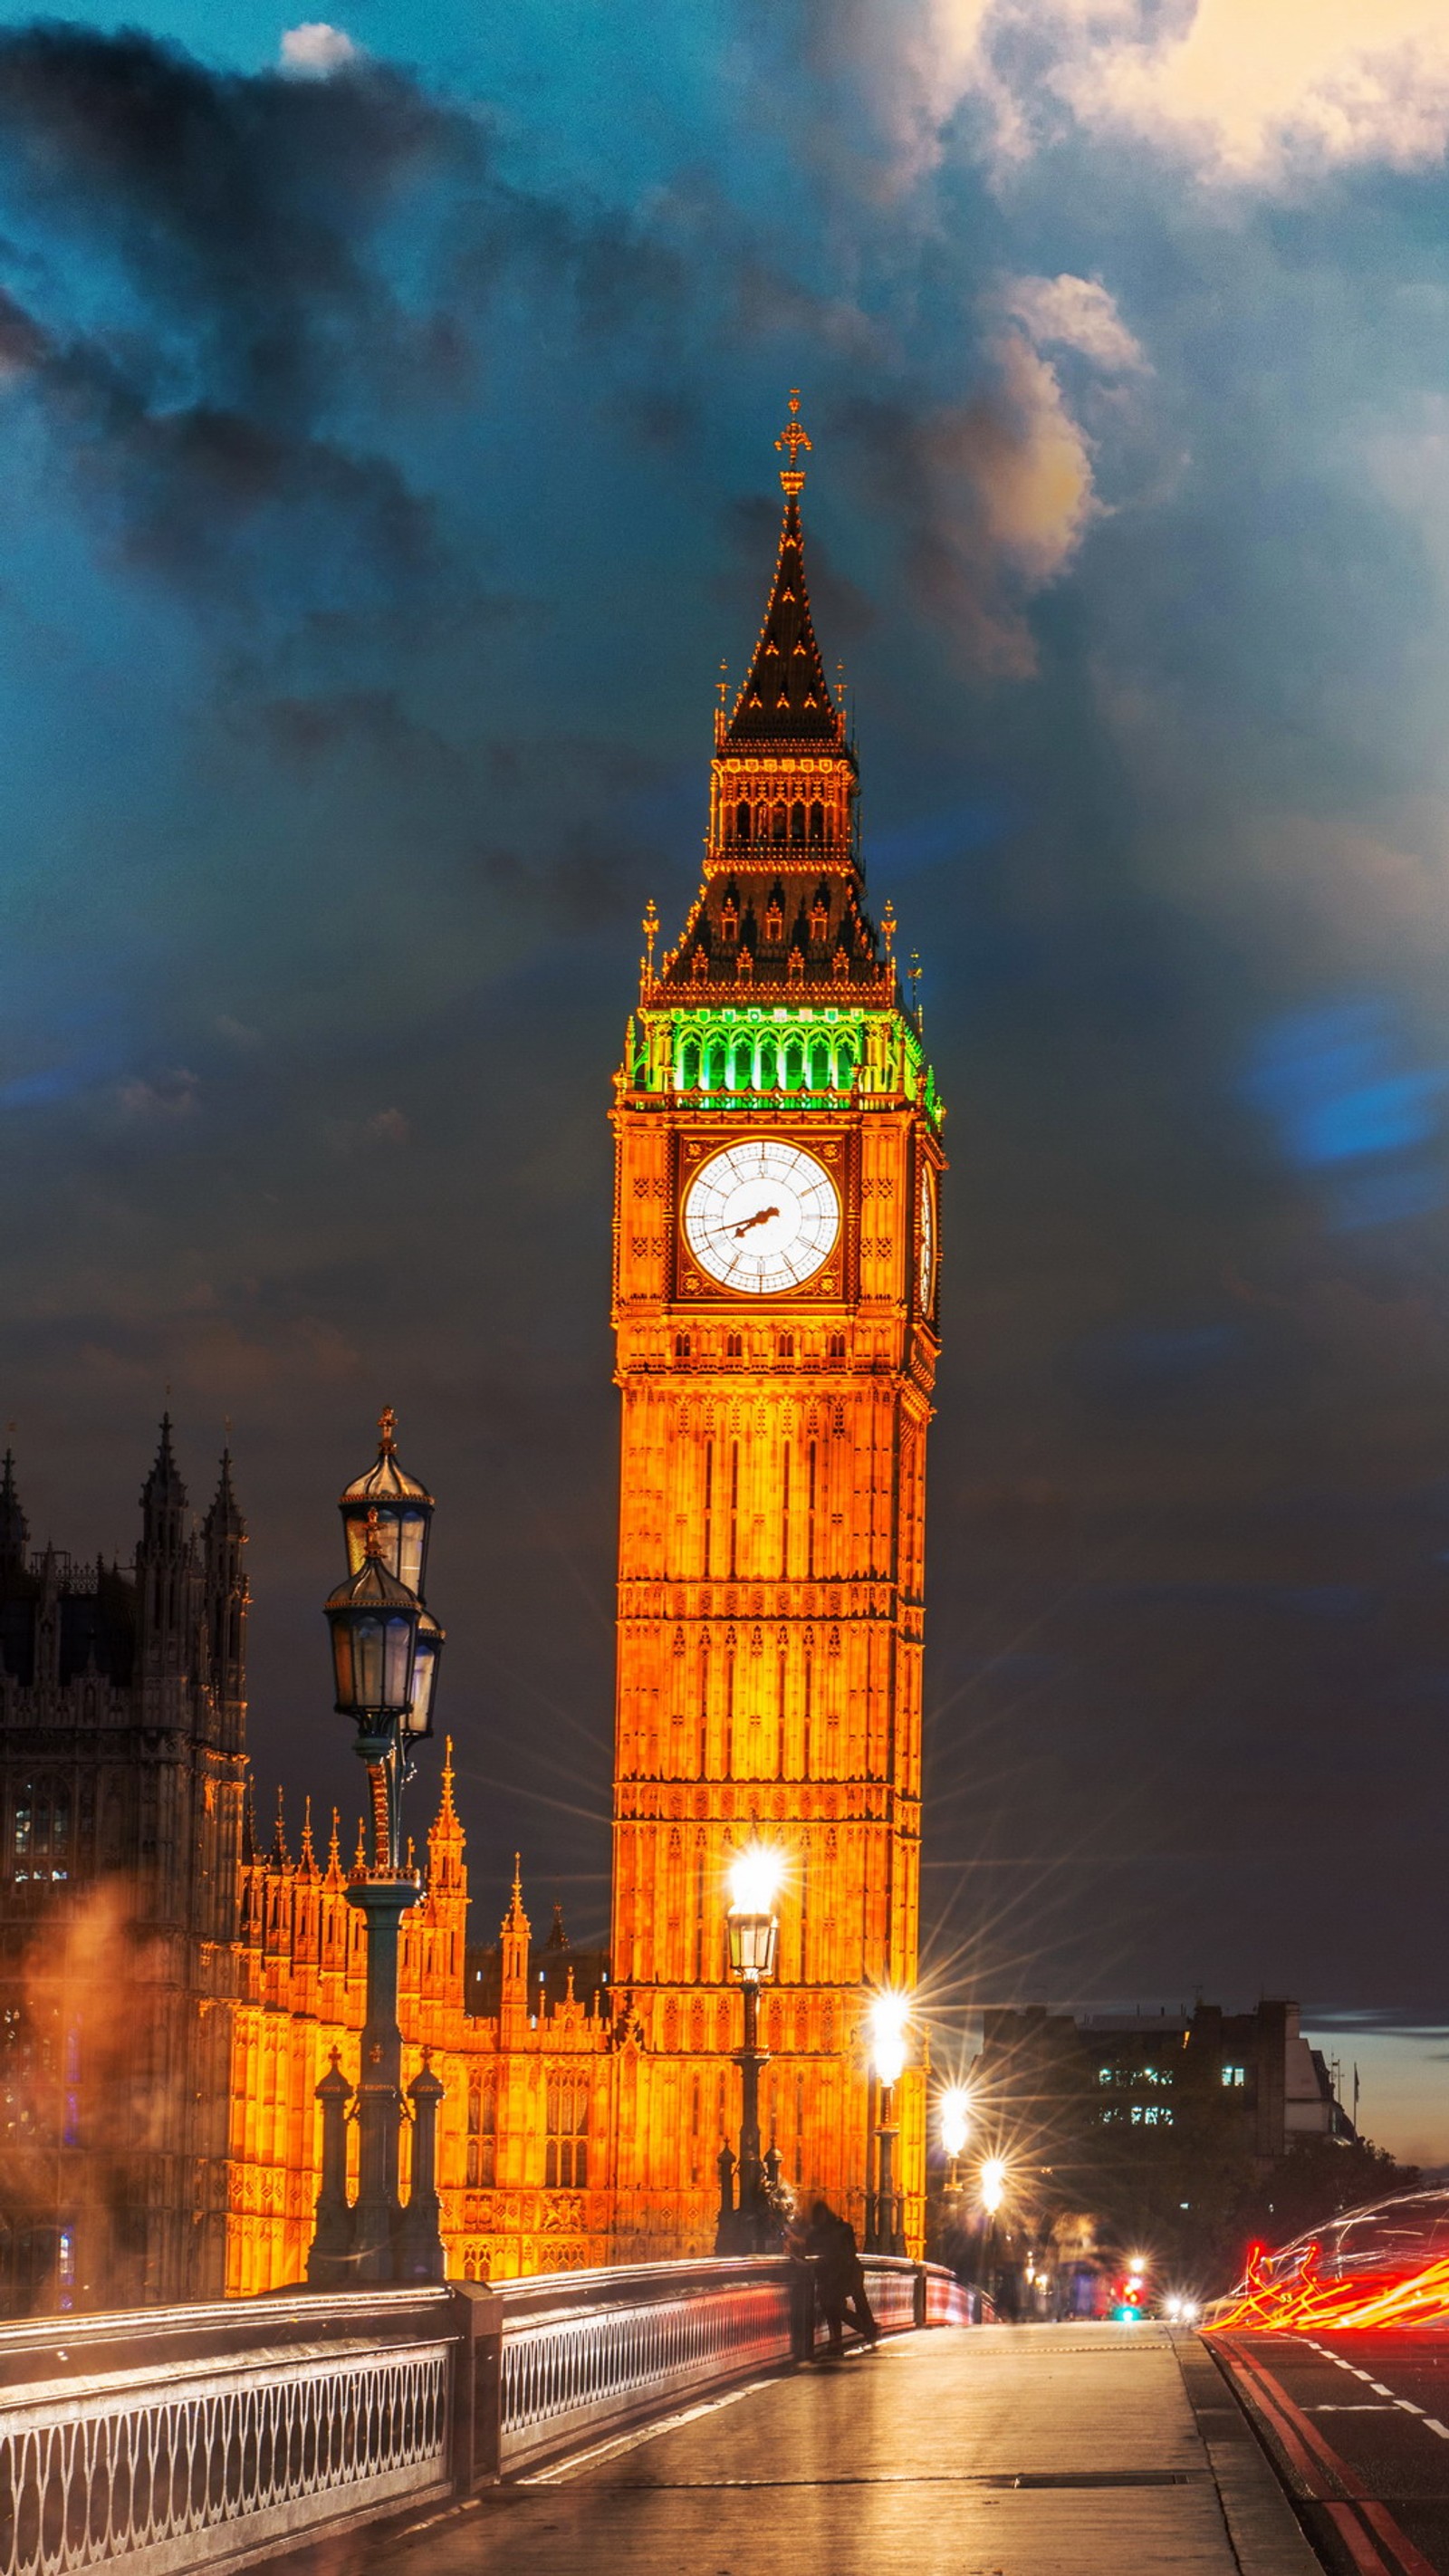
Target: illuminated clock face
x=761, y=1216
x=928, y=1241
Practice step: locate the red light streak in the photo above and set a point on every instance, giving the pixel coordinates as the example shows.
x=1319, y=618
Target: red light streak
x=1302, y=2302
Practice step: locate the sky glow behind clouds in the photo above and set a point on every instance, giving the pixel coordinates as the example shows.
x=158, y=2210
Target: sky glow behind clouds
x=388, y=437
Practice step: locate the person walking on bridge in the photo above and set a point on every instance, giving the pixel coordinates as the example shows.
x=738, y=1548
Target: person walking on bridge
x=839, y=2278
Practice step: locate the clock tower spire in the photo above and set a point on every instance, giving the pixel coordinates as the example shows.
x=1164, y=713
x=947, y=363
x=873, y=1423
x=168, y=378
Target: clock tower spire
x=777, y=1152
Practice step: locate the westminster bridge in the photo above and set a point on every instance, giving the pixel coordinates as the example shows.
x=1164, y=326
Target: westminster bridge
x=655, y=2419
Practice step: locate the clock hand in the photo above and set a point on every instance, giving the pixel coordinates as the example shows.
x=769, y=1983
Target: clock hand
x=763, y=1218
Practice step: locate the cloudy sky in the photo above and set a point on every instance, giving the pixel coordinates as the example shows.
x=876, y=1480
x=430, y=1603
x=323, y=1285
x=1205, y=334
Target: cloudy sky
x=386, y=413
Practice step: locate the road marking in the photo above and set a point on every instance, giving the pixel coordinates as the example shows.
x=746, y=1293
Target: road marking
x=1379, y=2389
x=1433, y=2425
x=1408, y=2406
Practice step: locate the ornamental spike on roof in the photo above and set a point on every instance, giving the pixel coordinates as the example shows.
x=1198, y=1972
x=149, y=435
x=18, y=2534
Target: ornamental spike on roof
x=786, y=696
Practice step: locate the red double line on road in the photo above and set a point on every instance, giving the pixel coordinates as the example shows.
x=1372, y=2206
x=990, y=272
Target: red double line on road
x=1359, y=2522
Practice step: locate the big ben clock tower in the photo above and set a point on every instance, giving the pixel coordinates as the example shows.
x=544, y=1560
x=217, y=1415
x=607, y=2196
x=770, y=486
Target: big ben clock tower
x=777, y=1152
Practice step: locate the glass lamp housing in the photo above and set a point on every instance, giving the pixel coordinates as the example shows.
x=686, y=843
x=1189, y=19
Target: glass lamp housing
x=374, y=1622
x=889, y=2021
x=418, y=1721
x=753, y=1939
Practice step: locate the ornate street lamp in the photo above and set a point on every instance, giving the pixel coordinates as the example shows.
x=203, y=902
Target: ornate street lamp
x=753, y=1929
x=890, y=2014
x=385, y=1652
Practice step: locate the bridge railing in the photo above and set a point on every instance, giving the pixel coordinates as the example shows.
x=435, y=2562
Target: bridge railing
x=181, y=2438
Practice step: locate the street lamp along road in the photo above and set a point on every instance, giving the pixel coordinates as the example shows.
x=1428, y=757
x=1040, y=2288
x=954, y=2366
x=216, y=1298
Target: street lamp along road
x=890, y=2014
x=991, y=2191
x=385, y=1652
x=955, y=2117
x=753, y=1928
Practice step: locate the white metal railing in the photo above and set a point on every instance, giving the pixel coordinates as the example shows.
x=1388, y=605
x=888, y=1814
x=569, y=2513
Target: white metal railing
x=173, y=2439
x=633, y=2343
x=177, y=2439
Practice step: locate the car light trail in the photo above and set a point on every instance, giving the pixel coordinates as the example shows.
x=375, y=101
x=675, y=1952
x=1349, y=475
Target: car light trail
x=1304, y=2301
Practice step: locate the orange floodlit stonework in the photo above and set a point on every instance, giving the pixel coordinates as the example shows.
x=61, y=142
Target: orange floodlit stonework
x=777, y=1154
x=529, y=2085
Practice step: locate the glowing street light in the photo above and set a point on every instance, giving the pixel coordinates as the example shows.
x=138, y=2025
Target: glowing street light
x=752, y=1927
x=890, y=2014
x=955, y=2118
x=993, y=2184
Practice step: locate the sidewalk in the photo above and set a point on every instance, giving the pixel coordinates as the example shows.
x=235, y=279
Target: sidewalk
x=997, y=2451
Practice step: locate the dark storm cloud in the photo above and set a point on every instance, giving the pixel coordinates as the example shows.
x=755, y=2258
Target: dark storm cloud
x=213, y=312
x=207, y=271
x=249, y=205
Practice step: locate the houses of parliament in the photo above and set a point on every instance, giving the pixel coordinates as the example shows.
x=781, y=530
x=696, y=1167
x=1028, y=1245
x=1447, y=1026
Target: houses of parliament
x=174, y=1983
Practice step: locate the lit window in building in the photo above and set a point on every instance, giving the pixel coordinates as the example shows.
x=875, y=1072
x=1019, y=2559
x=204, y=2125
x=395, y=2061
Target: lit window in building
x=566, y=2156
x=1151, y=2115
x=1235, y=2075
x=40, y=1832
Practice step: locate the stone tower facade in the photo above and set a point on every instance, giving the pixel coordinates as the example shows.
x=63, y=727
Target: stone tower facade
x=122, y=1735
x=778, y=1147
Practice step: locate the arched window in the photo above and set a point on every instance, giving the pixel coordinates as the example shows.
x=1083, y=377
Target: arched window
x=817, y=821
x=689, y=1056
x=734, y=1346
x=742, y=1065
x=777, y=823
x=714, y=1065
x=742, y=821
x=844, y=1064
x=792, y=1064
x=681, y=1346
x=797, y=822
x=820, y=1064
x=765, y=1065
x=566, y=2153
x=836, y=1348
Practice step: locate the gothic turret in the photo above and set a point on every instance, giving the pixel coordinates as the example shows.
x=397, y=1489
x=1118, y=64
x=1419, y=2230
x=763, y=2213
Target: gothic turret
x=14, y=1527
x=168, y=1584
x=513, y=1944
x=226, y=1594
x=163, y=1500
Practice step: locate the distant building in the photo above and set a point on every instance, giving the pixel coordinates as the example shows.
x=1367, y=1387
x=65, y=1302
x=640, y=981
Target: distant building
x=122, y=1721
x=1250, y=2080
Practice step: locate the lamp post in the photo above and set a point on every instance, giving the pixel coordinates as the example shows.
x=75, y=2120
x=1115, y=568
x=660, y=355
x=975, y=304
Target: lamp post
x=385, y=1652
x=753, y=1928
x=953, y=2112
x=992, y=2189
x=889, y=2016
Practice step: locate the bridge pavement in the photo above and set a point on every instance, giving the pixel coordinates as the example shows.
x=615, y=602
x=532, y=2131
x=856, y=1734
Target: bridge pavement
x=997, y=2451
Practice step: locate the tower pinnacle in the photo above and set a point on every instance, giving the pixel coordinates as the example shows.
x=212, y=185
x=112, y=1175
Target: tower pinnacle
x=794, y=435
